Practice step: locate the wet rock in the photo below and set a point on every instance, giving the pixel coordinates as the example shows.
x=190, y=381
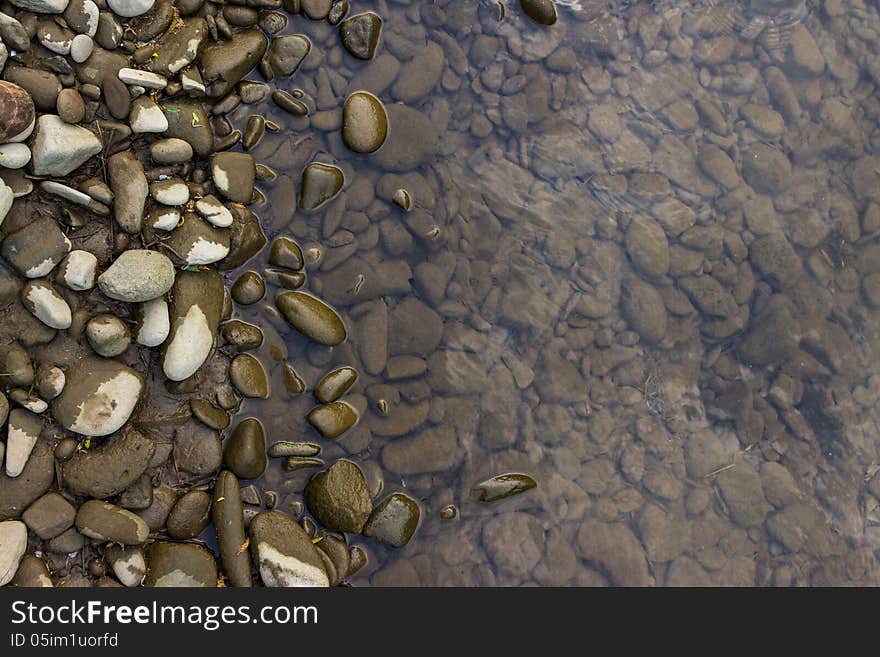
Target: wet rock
x=178, y=48
x=227, y=514
x=420, y=74
x=394, y=520
x=208, y=414
x=643, y=308
x=742, y=492
x=130, y=190
x=311, y=317
x=157, y=512
x=360, y=34
x=333, y=419
x=804, y=57
x=241, y=335
x=766, y=169
x=224, y=63
x=128, y=564
x=190, y=515
x=540, y=11
x=191, y=124
x=108, y=522
x=802, y=527
x=335, y=384
x=17, y=367
x=17, y=493
x=646, y=244
x=364, y=122
x=433, y=449
x=412, y=141
x=248, y=288
x=49, y=516
x=718, y=166
x=284, y=553
x=197, y=449
x=171, y=151
x=414, y=328
x=616, y=550
x=46, y=304
x=248, y=376
x=59, y=147
x=197, y=242
x=145, y=116
x=338, y=497
x=233, y=175
x=195, y=316
x=772, y=338
x=214, y=211
x=503, y=486
x=320, y=184
x=77, y=270
x=108, y=469
x=704, y=454
x=286, y=53
x=245, y=453
x=32, y=573
x=13, y=544
x=98, y=398
x=35, y=249
x=23, y=432
x=180, y=565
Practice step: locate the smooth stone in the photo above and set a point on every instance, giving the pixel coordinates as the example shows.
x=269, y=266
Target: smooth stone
x=285, y=448
x=333, y=419
x=12, y=156
x=248, y=288
x=130, y=8
x=59, y=148
x=504, y=486
x=171, y=151
x=249, y=377
x=189, y=516
x=166, y=218
x=320, y=183
x=338, y=497
x=171, y=192
x=139, y=78
x=245, y=453
x=32, y=573
x=49, y=516
x=50, y=382
x=766, y=169
x=41, y=299
x=146, y=116
x=17, y=493
x=335, y=384
x=13, y=544
x=16, y=368
x=227, y=513
x=540, y=11
x=286, y=53
x=35, y=249
x=225, y=63
x=108, y=335
x=286, y=253
x=130, y=190
x=360, y=34
x=107, y=522
x=364, y=122
x=394, y=520
x=128, y=564
x=208, y=414
x=7, y=196
x=179, y=47
x=643, y=308
x=70, y=106
x=99, y=397
x=241, y=335
x=197, y=242
x=190, y=123
x=42, y=6
x=197, y=449
x=197, y=301
x=137, y=275
x=77, y=270
x=284, y=553
x=81, y=48
x=153, y=323
x=23, y=432
x=234, y=175
x=214, y=212
x=312, y=317
x=420, y=74
x=647, y=246
x=108, y=469
x=180, y=565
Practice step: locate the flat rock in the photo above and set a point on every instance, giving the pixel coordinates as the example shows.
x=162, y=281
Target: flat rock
x=108, y=469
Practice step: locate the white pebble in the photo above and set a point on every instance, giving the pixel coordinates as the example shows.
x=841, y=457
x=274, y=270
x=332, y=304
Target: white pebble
x=14, y=156
x=155, y=323
x=79, y=270
x=81, y=48
x=214, y=211
x=142, y=78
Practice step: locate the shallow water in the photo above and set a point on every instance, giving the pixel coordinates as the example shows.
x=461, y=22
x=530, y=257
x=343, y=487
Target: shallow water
x=590, y=178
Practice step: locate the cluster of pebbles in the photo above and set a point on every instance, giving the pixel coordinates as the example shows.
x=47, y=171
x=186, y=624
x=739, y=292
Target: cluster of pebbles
x=627, y=248
x=126, y=206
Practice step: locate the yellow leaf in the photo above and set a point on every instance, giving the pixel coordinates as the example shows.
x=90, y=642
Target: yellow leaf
x=243, y=546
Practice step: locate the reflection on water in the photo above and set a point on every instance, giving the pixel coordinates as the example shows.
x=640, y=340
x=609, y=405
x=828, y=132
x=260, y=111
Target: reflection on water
x=641, y=267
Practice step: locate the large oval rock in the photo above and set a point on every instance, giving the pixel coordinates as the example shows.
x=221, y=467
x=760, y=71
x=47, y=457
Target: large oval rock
x=180, y=565
x=98, y=398
x=195, y=315
x=647, y=245
x=338, y=497
x=642, y=307
x=109, y=469
x=311, y=317
x=190, y=515
x=284, y=553
x=245, y=452
x=320, y=184
x=108, y=522
x=130, y=189
x=137, y=275
x=227, y=513
x=23, y=431
x=364, y=122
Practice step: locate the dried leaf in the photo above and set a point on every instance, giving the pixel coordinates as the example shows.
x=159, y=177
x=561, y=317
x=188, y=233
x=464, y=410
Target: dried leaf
x=243, y=546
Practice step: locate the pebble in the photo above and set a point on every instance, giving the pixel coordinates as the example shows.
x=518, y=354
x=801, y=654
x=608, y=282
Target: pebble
x=146, y=79
x=540, y=11
x=333, y=419
x=180, y=565
x=311, y=317
x=77, y=270
x=227, y=515
x=108, y=335
x=394, y=520
x=13, y=156
x=286, y=53
x=153, y=323
x=285, y=448
x=171, y=192
x=248, y=377
x=189, y=516
x=137, y=275
x=338, y=497
x=105, y=470
x=171, y=151
x=248, y=288
x=503, y=486
x=108, y=522
x=233, y=175
x=360, y=34
x=98, y=398
x=197, y=299
x=13, y=544
x=128, y=564
x=320, y=184
x=284, y=553
x=24, y=429
x=364, y=122
x=59, y=148
x=335, y=384
x=214, y=211
x=46, y=304
x=130, y=190
x=146, y=116
x=81, y=48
